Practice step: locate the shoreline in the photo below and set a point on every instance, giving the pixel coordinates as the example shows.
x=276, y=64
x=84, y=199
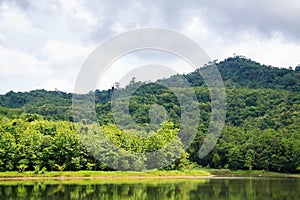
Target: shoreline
x=104, y=178
x=119, y=175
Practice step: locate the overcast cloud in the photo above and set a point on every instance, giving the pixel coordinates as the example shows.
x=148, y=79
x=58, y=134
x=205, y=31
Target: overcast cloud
x=44, y=43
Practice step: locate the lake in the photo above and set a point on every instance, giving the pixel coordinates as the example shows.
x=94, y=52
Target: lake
x=161, y=189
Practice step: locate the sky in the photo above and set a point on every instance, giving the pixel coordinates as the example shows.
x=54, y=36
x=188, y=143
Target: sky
x=43, y=43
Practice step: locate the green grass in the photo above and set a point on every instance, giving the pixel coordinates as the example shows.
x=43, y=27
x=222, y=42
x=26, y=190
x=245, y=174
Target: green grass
x=148, y=181
x=113, y=174
x=227, y=172
x=142, y=174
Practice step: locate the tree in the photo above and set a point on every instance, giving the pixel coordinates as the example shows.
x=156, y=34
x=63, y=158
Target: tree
x=249, y=158
x=216, y=159
x=235, y=157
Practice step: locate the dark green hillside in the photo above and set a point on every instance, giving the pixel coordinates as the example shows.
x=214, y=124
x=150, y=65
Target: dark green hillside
x=245, y=73
x=236, y=72
x=262, y=128
x=51, y=104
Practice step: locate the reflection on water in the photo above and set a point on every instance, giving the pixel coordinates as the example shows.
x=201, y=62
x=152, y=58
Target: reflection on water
x=215, y=188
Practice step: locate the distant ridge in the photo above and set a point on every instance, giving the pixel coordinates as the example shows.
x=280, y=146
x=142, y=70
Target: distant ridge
x=237, y=72
x=241, y=72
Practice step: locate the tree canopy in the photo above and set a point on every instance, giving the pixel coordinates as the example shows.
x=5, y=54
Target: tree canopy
x=262, y=128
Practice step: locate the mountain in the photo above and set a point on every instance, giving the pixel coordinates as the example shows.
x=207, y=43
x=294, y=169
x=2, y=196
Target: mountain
x=262, y=127
x=241, y=72
x=237, y=72
x=239, y=75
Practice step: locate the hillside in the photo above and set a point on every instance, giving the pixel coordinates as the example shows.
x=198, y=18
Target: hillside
x=262, y=129
x=244, y=73
x=237, y=72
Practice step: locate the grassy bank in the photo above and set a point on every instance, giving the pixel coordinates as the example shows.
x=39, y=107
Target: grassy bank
x=246, y=173
x=105, y=174
x=143, y=174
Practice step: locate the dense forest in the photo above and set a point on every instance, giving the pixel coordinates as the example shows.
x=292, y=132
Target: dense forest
x=262, y=127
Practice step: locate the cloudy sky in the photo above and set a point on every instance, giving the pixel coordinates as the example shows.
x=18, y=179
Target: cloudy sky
x=43, y=43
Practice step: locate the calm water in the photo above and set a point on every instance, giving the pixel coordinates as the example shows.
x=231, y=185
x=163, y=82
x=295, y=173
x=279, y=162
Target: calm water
x=160, y=189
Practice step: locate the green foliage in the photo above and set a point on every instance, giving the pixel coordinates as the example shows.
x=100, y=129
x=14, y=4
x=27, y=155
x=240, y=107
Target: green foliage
x=22, y=167
x=183, y=163
x=237, y=72
x=216, y=159
x=257, y=149
x=60, y=167
x=249, y=158
x=262, y=128
x=43, y=170
x=123, y=148
x=90, y=166
x=36, y=169
x=140, y=141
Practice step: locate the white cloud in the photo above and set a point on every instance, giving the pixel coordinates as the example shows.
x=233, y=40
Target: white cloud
x=195, y=26
x=20, y=71
x=56, y=83
x=276, y=51
x=18, y=31
x=74, y=9
x=68, y=54
x=43, y=43
x=133, y=64
x=2, y=38
x=12, y=62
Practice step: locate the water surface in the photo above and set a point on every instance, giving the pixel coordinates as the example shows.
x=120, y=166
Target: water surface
x=161, y=189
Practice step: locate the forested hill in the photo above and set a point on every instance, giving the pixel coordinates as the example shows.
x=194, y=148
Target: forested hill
x=237, y=72
x=244, y=73
x=262, y=128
